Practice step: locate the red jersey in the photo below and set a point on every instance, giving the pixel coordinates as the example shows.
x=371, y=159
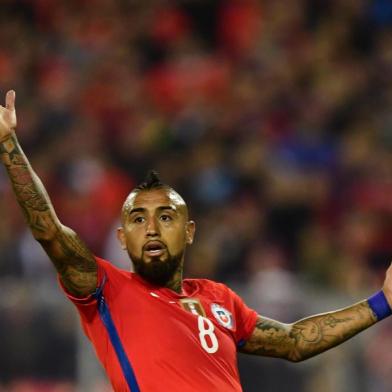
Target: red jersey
x=152, y=339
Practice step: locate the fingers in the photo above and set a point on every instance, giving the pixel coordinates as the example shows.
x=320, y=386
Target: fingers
x=10, y=100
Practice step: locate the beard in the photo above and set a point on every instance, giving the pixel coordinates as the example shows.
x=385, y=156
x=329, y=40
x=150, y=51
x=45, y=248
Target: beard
x=156, y=271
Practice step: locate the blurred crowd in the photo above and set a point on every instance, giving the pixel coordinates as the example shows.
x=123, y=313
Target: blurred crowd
x=272, y=118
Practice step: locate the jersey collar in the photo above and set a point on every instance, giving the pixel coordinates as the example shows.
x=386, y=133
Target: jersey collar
x=189, y=287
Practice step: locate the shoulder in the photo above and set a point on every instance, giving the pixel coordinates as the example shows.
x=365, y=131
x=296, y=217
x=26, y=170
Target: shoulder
x=111, y=271
x=205, y=283
x=116, y=281
x=212, y=287
x=108, y=265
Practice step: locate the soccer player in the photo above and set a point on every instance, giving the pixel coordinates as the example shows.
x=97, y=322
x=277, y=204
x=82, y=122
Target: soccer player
x=152, y=330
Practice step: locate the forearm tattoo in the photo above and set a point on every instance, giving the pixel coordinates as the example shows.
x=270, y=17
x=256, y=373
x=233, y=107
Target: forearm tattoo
x=27, y=187
x=309, y=336
x=73, y=260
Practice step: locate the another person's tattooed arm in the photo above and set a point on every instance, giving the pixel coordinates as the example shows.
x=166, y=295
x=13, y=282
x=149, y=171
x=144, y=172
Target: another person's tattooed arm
x=73, y=260
x=310, y=336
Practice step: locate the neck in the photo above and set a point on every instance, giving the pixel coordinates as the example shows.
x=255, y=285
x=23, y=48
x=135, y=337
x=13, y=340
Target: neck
x=175, y=283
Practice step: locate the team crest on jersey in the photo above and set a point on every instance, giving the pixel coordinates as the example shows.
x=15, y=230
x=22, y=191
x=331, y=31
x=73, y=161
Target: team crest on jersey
x=223, y=316
x=193, y=305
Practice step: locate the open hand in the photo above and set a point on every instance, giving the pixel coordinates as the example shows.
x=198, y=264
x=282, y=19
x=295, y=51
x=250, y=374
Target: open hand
x=7, y=116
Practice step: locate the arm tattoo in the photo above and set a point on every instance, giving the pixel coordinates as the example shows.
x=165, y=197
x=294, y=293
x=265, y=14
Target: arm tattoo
x=72, y=259
x=74, y=262
x=310, y=336
x=27, y=187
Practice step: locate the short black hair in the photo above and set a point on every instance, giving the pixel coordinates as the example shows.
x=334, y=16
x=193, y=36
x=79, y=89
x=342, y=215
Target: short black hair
x=151, y=181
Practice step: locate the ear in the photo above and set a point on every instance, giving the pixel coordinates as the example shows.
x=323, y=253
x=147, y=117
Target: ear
x=121, y=238
x=190, y=232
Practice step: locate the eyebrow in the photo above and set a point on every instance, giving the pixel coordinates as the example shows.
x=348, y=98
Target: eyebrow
x=160, y=208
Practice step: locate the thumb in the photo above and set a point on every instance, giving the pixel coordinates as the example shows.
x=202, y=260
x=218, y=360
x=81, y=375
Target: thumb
x=10, y=100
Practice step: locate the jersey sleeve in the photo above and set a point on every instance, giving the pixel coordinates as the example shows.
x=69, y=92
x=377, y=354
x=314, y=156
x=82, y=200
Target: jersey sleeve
x=245, y=319
x=87, y=306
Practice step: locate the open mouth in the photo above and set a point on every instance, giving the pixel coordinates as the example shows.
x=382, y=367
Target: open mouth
x=154, y=248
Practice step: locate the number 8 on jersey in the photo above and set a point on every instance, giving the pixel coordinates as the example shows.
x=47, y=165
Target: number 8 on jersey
x=207, y=337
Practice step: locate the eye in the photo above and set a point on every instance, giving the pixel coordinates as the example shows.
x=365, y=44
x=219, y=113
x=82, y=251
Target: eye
x=166, y=218
x=139, y=219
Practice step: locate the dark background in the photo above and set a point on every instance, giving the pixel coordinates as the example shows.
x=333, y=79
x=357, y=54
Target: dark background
x=272, y=119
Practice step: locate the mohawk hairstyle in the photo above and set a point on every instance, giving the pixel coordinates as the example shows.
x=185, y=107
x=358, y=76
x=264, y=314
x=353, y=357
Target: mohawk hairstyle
x=151, y=181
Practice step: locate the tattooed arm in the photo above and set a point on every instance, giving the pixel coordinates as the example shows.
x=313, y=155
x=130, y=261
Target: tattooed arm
x=313, y=335
x=310, y=336
x=73, y=260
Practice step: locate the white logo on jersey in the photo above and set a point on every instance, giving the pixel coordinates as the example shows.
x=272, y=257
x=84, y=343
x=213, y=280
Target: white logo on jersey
x=223, y=316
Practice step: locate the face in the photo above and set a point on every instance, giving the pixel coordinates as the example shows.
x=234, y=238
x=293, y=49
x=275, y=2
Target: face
x=155, y=231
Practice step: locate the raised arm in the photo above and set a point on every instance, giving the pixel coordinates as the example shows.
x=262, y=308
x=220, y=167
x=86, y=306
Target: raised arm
x=73, y=260
x=314, y=335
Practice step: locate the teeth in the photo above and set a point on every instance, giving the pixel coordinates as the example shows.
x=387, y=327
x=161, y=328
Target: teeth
x=155, y=250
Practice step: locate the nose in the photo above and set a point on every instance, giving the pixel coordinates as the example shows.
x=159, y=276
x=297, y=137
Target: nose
x=152, y=228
